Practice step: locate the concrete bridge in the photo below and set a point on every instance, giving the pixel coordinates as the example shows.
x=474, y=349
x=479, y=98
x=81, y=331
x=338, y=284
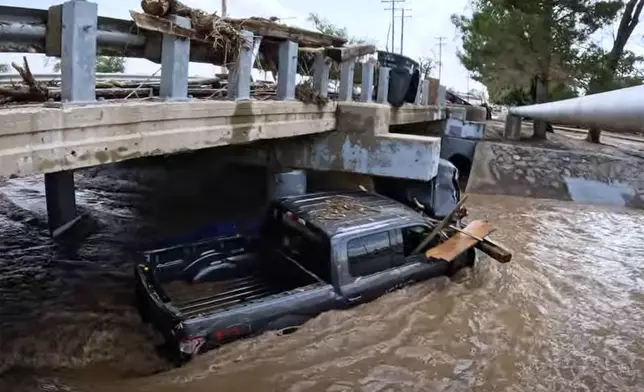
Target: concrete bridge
x=55, y=138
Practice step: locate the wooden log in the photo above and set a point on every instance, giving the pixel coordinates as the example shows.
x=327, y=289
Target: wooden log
x=267, y=28
x=349, y=52
x=341, y=54
x=164, y=26
x=460, y=242
x=164, y=7
x=495, y=250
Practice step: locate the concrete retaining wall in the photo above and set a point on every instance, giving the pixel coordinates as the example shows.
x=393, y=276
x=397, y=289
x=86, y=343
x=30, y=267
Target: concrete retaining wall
x=556, y=174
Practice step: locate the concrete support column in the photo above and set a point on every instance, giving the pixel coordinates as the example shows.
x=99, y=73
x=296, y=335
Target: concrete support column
x=175, y=59
x=78, y=82
x=512, y=127
x=287, y=70
x=367, y=81
x=346, y=80
x=383, y=85
x=287, y=183
x=321, y=69
x=239, y=76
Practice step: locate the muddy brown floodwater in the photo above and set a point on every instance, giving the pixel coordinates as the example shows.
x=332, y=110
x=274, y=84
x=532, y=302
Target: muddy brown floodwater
x=566, y=315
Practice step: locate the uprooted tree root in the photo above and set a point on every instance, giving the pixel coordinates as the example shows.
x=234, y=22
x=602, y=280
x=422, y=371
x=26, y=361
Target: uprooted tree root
x=225, y=37
x=31, y=91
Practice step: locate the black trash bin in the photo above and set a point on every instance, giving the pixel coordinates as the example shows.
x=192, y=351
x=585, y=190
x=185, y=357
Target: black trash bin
x=403, y=77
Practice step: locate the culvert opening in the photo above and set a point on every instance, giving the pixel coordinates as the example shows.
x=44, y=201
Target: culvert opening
x=464, y=166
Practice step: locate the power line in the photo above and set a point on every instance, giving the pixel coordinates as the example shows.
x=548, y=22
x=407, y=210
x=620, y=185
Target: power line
x=440, y=56
x=393, y=17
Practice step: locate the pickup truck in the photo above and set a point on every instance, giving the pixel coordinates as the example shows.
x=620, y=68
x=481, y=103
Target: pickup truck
x=313, y=253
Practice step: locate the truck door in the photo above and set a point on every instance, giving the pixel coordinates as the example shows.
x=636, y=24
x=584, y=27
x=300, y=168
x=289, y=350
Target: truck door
x=369, y=271
x=414, y=268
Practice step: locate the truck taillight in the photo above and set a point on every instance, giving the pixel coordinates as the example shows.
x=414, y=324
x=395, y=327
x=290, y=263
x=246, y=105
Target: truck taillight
x=191, y=344
x=295, y=218
x=228, y=333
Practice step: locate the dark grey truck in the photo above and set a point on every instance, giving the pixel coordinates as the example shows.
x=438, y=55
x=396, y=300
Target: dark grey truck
x=314, y=253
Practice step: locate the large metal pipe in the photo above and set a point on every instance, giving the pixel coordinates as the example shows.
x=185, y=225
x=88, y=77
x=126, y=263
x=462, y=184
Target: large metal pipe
x=617, y=110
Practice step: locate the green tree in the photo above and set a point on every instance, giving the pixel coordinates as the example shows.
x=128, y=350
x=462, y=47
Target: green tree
x=609, y=63
x=105, y=64
x=518, y=44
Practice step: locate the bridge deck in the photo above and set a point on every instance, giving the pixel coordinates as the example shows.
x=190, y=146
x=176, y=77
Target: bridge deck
x=41, y=139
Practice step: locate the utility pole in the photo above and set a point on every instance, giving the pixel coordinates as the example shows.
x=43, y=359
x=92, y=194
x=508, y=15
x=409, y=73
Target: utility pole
x=440, y=56
x=224, y=13
x=393, y=10
x=387, y=44
x=402, y=26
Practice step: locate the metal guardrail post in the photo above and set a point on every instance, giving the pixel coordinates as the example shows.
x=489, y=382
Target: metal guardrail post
x=287, y=70
x=383, y=85
x=346, y=80
x=441, y=95
x=424, y=99
x=367, y=81
x=78, y=72
x=175, y=60
x=78, y=49
x=239, y=77
x=419, y=93
x=321, y=68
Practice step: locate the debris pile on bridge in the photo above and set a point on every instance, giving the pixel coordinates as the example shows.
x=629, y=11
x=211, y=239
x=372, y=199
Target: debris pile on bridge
x=26, y=89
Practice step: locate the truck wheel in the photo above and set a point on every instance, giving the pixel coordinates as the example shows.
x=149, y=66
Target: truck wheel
x=142, y=306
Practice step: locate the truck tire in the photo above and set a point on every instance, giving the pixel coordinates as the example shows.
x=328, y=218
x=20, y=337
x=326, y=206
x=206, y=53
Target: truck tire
x=141, y=304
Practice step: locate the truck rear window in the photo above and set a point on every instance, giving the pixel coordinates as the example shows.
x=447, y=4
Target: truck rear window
x=292, y=236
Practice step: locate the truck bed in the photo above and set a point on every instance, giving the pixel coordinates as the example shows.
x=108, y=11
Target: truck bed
x=207, y=297
x=208, y=277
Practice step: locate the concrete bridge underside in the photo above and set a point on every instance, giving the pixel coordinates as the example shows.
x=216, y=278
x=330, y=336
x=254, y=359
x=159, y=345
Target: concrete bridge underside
x=344, y=136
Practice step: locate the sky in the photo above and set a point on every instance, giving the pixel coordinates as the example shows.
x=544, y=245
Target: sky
x=362, y=18
x=367, y=19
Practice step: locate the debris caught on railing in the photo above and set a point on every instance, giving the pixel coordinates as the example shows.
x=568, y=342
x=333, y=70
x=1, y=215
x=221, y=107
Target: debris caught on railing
x=29, y=91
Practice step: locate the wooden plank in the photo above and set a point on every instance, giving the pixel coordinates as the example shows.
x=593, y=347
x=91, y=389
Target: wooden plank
x=267, y=28
x=460, y=242
x=440, y=226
